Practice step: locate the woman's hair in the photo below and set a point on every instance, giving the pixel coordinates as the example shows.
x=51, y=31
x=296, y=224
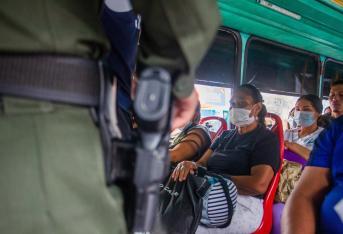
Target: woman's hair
x=314, y=100
x=324, y=121
x=253, y=92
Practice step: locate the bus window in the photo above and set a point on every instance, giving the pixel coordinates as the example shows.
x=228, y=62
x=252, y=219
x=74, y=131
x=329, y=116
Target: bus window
x=219, y=66
x=332, y=71
x=214, y=101
x=274, y=68
x=218, y=73
x=280, y=105
x=326, y=104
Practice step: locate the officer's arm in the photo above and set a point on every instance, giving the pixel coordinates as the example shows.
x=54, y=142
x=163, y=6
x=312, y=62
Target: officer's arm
x=175, y=36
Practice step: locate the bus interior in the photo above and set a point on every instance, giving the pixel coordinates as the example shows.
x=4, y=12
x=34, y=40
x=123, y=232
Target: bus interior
x=284, y=48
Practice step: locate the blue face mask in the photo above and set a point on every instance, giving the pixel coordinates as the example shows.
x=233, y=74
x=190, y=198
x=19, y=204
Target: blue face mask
x=304, y=118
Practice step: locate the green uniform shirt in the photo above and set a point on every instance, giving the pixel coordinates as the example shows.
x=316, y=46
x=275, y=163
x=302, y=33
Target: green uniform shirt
x=176, y=34
x=52, y=26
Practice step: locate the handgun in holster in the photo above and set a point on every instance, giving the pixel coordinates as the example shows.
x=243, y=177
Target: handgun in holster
x=153, y=112
x=140, y=165
x=118, y=154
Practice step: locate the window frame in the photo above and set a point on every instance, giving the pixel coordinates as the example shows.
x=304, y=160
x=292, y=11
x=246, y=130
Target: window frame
x=237, y=60
x=287, y=47
x=323, y=73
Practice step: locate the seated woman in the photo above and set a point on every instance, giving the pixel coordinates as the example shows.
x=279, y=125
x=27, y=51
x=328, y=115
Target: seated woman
x=191, y=142
x=307, y=112
x=299, y=140
x=248, y=155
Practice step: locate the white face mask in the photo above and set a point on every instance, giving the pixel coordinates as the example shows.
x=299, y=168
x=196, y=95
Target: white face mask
x=304, y=118
x=240, y=117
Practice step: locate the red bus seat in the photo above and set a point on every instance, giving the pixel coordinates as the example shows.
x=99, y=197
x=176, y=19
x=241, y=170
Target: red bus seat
x=267, y=220
x=215, y=125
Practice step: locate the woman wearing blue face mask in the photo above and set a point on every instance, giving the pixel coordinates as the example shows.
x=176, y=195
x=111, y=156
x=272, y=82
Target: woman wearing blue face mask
x=248, y=156
x=307, y=111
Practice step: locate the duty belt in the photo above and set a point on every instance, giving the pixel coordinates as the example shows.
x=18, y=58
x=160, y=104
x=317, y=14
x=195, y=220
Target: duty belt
x=66, y=79
x=69, y=80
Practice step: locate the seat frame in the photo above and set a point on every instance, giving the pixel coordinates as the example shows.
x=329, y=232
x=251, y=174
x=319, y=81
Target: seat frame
x=221, y=129
x=267, y=219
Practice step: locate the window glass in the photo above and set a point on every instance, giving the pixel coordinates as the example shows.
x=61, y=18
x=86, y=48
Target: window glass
x=326, y=104
x=214, y=101
x=332, y=71
x=218, y=67
x=280, y=105
x=276, y=69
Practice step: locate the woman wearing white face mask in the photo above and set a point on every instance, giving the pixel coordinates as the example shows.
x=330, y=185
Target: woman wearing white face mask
x=248, y=156
x=307, y=111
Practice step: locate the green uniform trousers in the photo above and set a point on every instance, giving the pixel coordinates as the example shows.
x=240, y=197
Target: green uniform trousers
x=51, y=172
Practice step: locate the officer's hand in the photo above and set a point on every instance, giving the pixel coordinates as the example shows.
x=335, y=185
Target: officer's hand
x=183, y=110
x=183, y=169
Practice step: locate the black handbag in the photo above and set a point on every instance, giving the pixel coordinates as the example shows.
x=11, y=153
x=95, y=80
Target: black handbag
x=181, y=203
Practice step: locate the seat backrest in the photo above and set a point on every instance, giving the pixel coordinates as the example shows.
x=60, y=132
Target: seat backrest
x=267, y=220
x=215, y=125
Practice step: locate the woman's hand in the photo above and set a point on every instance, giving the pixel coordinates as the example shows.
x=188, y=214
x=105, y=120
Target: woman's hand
x=298, y=149
x=183, y=169
x=287, y=144
x=290, y=145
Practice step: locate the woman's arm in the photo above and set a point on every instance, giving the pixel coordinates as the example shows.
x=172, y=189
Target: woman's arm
x=264, y=162
x=298, y=149
x=204, y=158
x=185, y=167
x=189, y=146
x=256, y=183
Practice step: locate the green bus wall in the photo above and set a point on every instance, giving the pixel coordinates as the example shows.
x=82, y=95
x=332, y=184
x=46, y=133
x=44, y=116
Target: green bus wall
x=320, y=29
